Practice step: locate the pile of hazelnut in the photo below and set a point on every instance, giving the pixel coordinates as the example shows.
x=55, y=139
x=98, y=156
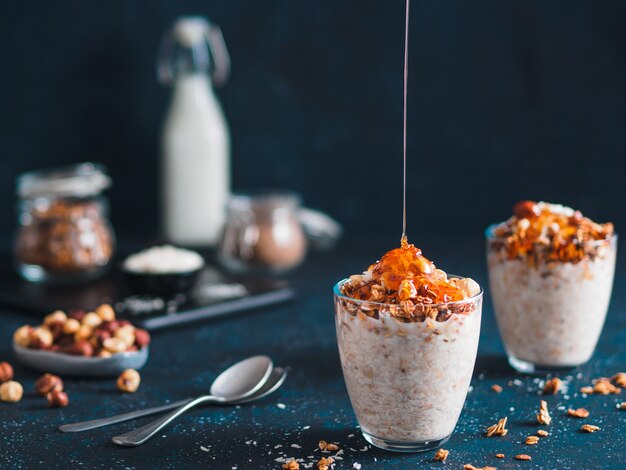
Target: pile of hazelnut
x=97, y=334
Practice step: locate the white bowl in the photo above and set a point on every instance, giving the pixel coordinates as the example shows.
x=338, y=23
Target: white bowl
x=70, y=365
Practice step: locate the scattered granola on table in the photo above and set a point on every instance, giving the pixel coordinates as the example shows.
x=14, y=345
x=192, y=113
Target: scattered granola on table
x=542, y=433
x=587, y=390
x=532, y=440
x=622, y=405
x=291, y=465
x=523, y=457
x=498, y=429
x=469, y=466
x=543, y=417
x=620, y=379
x=496, y=388
x=552, y=386
x=579, y=413
x=328, y=446
x=603, y=386
x=441, y=455
x=324, y=463
x=500, y=456
x=589, y=428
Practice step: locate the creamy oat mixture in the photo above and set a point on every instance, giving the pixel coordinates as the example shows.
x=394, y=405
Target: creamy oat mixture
x=408, y=336
x=551, y=274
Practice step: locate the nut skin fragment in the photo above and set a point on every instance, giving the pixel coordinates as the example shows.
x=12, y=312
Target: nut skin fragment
x=48, y=383
x=441, y=455
x=552, y=386
x=543, y=417
x=589, y=428
x=11, y=391
x=523, y=457
x=6, y=372
x=57, y=399
x=579, y=413
x=128, y=381
x=532, y=440
x=496, y=388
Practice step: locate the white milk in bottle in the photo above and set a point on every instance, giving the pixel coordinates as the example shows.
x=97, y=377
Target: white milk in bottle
x=195, y=142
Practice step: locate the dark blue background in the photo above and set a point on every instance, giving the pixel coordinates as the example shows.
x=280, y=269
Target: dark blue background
x=507, y=100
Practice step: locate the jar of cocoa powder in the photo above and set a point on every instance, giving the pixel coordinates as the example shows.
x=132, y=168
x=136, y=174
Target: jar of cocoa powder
x=262, y=233
x=64, y=235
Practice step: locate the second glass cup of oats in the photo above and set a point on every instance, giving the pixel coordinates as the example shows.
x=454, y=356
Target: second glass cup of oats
x=408, y=337
x=551, y=275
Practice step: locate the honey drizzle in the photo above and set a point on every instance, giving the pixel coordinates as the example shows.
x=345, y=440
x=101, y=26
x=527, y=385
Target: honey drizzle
x=403, y=240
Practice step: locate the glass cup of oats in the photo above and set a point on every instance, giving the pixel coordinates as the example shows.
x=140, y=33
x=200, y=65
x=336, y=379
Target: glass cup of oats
x=408, y=336
x=551, y=275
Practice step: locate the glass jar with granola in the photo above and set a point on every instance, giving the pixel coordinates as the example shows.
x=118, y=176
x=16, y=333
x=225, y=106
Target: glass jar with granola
x=551, y=275
x=408, y=336
x=63, y=235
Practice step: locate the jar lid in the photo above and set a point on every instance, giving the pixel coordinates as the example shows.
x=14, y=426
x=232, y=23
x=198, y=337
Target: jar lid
x=81, y=180
x=263, y=201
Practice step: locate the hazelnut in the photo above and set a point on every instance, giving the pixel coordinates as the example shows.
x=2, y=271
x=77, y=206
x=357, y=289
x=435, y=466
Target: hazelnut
x=57, y=399
x=127, y=333
x=40, y=338
x=71, y=326
x=48, y=383
x=129, y=381
x=56, y=316
x=142, y=338
x=104, y=353
x=115, y=345
x=6, y=372
x=56, y=328
x=106, y=312
x=79, y=348
x=91, y=319
x=83, y=333
x=11, y=391
x=21, y=337
x=97, y=339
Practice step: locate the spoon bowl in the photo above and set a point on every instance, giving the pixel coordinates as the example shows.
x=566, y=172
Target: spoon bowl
x=243, y=379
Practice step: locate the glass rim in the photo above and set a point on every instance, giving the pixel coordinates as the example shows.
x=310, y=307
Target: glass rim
x=491, y=237
x=337, y=292
x=80, y=179
x=268, y=199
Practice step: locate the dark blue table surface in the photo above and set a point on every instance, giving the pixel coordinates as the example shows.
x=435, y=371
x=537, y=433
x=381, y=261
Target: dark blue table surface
x=301, y=336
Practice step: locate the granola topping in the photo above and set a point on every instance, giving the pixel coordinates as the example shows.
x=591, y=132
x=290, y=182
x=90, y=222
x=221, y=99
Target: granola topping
x=543, y=232
x=410, y=287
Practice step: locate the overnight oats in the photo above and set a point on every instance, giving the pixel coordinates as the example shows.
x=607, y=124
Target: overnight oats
x=551, y=275
x=408, y=336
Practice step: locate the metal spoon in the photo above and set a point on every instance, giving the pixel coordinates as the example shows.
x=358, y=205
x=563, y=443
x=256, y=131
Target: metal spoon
x=276, y=379
x=237, y=382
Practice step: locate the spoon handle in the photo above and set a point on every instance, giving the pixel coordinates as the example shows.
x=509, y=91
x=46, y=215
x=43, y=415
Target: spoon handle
x=140, y=435
x=100, y=422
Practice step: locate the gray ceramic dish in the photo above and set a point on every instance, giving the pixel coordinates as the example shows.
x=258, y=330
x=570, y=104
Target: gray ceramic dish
x=78, y=366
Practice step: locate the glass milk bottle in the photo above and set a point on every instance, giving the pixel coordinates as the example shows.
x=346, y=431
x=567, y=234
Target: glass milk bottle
x=195, y=141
